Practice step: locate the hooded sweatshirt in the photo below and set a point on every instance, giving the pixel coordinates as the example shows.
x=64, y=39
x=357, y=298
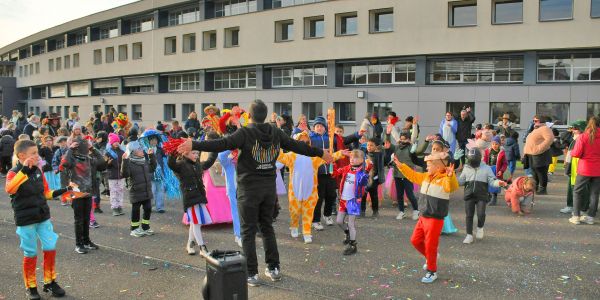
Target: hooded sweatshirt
x=259, y=146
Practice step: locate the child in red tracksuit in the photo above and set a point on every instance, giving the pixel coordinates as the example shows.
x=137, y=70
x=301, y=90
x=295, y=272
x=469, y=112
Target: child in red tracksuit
x=495, y=157
x=436, y=186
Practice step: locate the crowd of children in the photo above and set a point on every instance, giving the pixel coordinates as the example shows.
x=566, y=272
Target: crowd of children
x=76, y=161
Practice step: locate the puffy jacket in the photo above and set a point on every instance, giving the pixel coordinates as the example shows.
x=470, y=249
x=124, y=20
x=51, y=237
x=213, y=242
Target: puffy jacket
x=190, y=178
x=511, y=149
x=7, y=145
x=114, y=163
x=588, y=153
x=377, y=169
x=140, y=177
x=476, y=182
x=47, y=154
x=537, y=147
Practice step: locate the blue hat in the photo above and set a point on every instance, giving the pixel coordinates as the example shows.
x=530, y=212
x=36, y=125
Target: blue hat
x=321, y=120
x=496, y=139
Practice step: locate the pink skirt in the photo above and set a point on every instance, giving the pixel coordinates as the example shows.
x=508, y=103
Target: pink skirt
x=198, y=214
x=218, y=203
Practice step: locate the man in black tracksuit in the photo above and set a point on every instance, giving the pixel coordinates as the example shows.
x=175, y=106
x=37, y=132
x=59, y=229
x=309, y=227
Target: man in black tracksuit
x=259, y=145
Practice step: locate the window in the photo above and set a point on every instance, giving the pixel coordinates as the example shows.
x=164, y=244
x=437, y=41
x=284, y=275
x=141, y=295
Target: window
x=96, y=108
x=142, y=24
x=141, y=89
x=108, y=31
x=381, y=108
x=122, y=52
x=235, y=79
x=507, y=11
x=345, y=112
x=136, y=112
x=66, y=110
x=108, y=91
x=232, y=37
x=137, y=50
x=97, y=56
x=462, y=13
x=557, y=112
x=50, y=65
x=79, y=88
x=81, y=38
x=60, y=44
x=26, y=70
x=183, y=16
x=595, y=9
x=299, y=76
x=456, y=107
x=37, y=68
x=189, y=43
x=75, y=60
x=169, y=110
x=107, y=108
x=556, y=10
x=76, y=108
x=314, y=27
x=282, y=108
x=67, y=60
x=58, y=63
x=567, y=67
x=20, y=71
x=209, y=40
x=312, y=110
x=381, y=20
x=186, y=109
x=110, y=54
x=346, y=24
x=473, y=70
x=122, y=108
x=379, y=73
x=284, y=31
x=43, y=92
x=229, y=105
x=498, y=109
x=184, y=82
x=170, y=45
x=593, y=109
x=284, y=3
x=234, y=7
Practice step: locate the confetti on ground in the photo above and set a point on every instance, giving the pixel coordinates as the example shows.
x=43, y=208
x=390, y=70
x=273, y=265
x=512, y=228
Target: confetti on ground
x=123, y=291
x=135, y=273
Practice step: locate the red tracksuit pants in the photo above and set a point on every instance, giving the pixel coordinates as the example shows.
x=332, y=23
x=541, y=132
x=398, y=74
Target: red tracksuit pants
x=425, y=239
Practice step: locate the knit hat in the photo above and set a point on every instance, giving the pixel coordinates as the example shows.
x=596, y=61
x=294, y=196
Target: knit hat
x=321, y=120
x=113, y=138
x=132, y=147
x=579, y=125
x=496, y=139
x=76, y=125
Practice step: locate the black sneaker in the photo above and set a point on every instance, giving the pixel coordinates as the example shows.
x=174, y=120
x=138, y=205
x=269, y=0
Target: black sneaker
x=53, y=287
x=32, y=294
x=375, y=214
x=204, y=249
x=80, y=250
x=347, y=238
x=350, y=248
x=97, y=210
x=90, y=246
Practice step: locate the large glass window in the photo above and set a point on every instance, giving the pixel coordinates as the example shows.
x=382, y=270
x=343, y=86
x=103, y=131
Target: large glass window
x=456, y=107
x=142, y=24
x=498, y=109
x=346, y=24
x=312, y=110
x=136, y=112
x=557, y=112
x=463, y=13
x=508, y=11
x=282, y=108
x=381, y=20
x=474, y=70
x=593, y=109
x=184, y=82
x=556, y=10
x=379, y=73
x=345, y=112
x=595, y=9
x=235, y=79
x=108, y=31
x=81, y=38
x=381, y=109
x=186, y=109
x=184, y=16
x=569, y=67
x=169, y=112
x=299, y=76
x=234, y=7
x=284, y=3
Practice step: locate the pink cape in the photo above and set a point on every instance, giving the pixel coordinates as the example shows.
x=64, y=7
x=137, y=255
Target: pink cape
x=218, y=203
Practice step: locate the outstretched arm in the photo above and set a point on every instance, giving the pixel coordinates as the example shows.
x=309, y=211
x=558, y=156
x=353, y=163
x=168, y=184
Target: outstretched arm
x=289, y=144
x=410, y=174
x=234, y=141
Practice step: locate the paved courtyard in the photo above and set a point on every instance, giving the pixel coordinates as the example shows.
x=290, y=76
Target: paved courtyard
x=540, y=256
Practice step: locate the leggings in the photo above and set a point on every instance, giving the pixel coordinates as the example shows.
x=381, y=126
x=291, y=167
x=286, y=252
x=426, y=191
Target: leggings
x=350, y=226
x=135, y=214
x=470, y=213
x=195, y=233
x=373, y=192
x=540, y=174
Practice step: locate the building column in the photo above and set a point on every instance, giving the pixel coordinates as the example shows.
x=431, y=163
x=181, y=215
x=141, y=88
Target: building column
x=420, y=70
x=155, y=17
x=66, y=90
x=332, y=78
x=260, y=77
x=530, y=68
x=260, y=5
x=30, y=94
x=202, y=80
x=119, y=26
x=202, y=10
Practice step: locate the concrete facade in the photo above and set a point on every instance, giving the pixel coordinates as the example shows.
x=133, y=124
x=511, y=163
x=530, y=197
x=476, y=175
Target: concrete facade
x=420, y=34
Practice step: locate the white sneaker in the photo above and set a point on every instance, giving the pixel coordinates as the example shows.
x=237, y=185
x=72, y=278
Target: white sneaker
x=566, y=210
x=318, y=226
x=190, y=248
x=574, y=220
x=329, y=221
x=138, y=232
x=415, y=215
x=587, y=220
x=430, y=277
x=479, y=233
x=468, y=239
x=400, y=216
x=294, y=232
x=308, y=239
x=238, y=241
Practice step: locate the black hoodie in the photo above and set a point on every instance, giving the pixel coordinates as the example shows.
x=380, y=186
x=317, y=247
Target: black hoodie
x=259, y=146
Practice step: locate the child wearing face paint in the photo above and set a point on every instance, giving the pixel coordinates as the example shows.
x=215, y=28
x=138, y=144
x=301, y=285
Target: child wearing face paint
x=496, y=159
x=354, y=179
x=436, y=186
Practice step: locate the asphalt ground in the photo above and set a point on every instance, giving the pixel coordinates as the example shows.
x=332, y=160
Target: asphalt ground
x=540, y=256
